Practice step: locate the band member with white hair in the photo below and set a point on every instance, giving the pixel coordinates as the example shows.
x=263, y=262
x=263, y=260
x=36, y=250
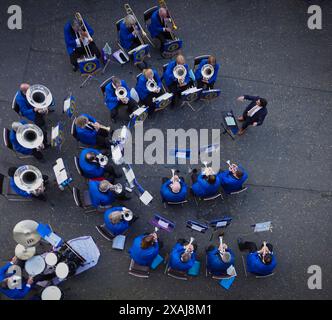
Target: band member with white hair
x=26, y=109
x=145, y=94
x=207, y=83
x=114, y=221
x=90, y=132
x=219, y=259
x=182, y=256
x=21, y=149
x=232, y=180
x=3, y=270
x=206, y=184
x=260, y=262
x=114, y=102
x=102, y=193
x=254, y=114
x=158, y=27
x=173, y=189
x=176, y=86
x=144, y=249
x=74, y=44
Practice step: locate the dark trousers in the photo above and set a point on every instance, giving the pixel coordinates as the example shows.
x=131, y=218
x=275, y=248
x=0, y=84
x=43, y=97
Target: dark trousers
x=177, y=90
x=148, y=101
x=130, y=108
x=79, y=52
x=204, y=86
x=40, y=120
x=163, y=37
x=111, y=173
x=194, y=176
x=37, y=154
x=252, y=247
x=247, y=121
x=103, y=139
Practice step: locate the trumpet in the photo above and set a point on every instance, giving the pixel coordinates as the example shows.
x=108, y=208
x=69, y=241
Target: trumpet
x=207, y=71
x=152, y=86
x=222, y=250
x=208, y=171
x=95, y=127
x=162, y=3
x=180, y=73
x=85, y=41
x=231, y=166
x=192, y=239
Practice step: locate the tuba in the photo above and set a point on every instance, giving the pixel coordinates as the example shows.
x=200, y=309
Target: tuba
x=207, y=71
x=121, y=93
x=127, y=215
x=40, y=97
x=30, y=136
x=180, y=72
x=29, y=179
x=151, y=85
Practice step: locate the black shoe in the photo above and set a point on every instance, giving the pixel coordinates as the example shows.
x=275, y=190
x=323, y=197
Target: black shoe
x=75, y=68
x=194, y=171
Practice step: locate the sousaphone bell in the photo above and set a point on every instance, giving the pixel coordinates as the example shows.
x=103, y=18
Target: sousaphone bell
x=29, y=136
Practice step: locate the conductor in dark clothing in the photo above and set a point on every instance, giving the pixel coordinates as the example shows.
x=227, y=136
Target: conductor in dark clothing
x=254, y=114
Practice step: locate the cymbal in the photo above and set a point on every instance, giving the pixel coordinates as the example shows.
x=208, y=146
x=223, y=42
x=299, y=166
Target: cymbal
x=24, y=253
x=25, y=233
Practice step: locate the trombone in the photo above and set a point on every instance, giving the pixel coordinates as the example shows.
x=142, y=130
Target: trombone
x=130, y=11
x=162, y=3
x=83, y=27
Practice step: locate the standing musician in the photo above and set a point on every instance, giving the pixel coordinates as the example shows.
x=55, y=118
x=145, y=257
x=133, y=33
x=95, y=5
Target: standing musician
x=91, y=132
x=102, y=193
x=206, y=184
x=26, y=109
x=149, y=87
x=176, y=86
x=232, y=180
x=145, y=248
x=114, y=221
x=113, y=101
x=182, y=256
x=174, y=189
x=36, y=152
x=204, y=82
x=75, y=38
x=219, y=259
x=95, y=164
x=158, y=26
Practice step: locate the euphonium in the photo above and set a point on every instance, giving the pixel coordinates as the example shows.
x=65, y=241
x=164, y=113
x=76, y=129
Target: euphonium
x=180, y=72
x=127, y=215
x=207, y=71
x=121, y=92
x=39, y=97
x=29, y=179
x=151, y=85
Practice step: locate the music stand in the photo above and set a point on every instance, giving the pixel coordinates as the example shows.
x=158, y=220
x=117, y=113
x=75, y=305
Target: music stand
x=89, y=68
x=162, y=223
x=197, y=226
x=57, y=136
x=229, y=124
x=69, y=106
x=190, y=95
x=107, y=55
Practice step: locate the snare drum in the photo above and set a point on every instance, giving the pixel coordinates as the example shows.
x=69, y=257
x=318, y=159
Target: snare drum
x=35, y=266
x=62, y=270
x=51, y=293
x=51, y=259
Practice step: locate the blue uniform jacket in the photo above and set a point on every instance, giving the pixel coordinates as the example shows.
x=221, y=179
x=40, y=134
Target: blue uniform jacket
x=201, y=188
x=70, y=37
x=143, y=257
x=117, y=228
x=256, y=266
x=169, y=196
x=230, y=183
x=99, y=198
x=111, y=99
x=156, y=26
x=16, y=146
x=168, y=75
x=198, y=72
x=175, y=259
x=16, y=294
x=85, y=135
x=214, y=263
x=126, y=36
x=260, y=115
x=25, y=108
x=3, y=271
x=19, y=191
x=90, y=170
x=141, y=88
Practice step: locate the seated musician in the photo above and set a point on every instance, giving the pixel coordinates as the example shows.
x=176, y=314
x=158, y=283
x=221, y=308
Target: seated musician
x=174, y=85
x=23, y=150
x=7, y=287
x=174, y=190
x=145, y=248
x=232, y=180
x=114, y=222
x=182, y=256
x=146, y=96
x=39, y=194
x=259, y=262
x=113, y=102
x=74, y=38
x=3, y=270
x=89, y=131
x=206, y=184
x=158, y=27
x=219, y=259
x=26, y=109
x=207, y=83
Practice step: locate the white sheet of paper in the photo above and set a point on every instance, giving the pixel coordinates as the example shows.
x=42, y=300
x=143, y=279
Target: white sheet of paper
x=230, y=121
x=263, y=226
x=116, y=154
x=146, y=198
x=66, y=104
x=196, y=227
x=130, y=175
x=221, y=224
x=163, y=224
x=231, y=271
x=55, y=132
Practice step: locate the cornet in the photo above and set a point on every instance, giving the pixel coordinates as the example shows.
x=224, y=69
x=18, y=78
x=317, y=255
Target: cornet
x=127, y=215
x=208, y=171
x=232, y=166
x=222, y=250
x=93, y=125
x=117, y=188
x=192, y=239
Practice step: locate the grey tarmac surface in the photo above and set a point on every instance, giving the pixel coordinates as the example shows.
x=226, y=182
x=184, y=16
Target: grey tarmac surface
x=265, y=48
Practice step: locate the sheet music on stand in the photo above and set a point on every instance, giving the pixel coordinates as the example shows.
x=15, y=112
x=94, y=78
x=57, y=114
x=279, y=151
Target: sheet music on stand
x=146, y=198
x=263, y=226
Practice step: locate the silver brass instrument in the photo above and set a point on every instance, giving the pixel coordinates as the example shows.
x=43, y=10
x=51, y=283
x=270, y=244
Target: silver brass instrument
x=117, y=188
x=121, y=93
x=102, y=159
x=180, y=72
x=127, y=215
x=207, y=171
x=25, y=233
x=83, y=27
x=192, y=239
x=221, y=246
x=207, y=71
x=152, y=86
x=40, y=97
x=29, y=179
x=30, y=136
x=162, y=3
x=92, y=125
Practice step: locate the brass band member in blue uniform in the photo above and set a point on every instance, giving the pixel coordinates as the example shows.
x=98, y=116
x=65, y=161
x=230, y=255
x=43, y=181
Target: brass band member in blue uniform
x=149, y=87
x=206, y=184
x=176, y=86
x=183, y=256
x=74, y=37
x=203, y=82
x=174, y=189
x=114, y=221
x=113, y=101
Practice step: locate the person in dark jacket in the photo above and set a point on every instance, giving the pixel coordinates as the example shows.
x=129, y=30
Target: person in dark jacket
x=182, y=256
x=74, y=43
x=254, y=114
x=232, y=180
